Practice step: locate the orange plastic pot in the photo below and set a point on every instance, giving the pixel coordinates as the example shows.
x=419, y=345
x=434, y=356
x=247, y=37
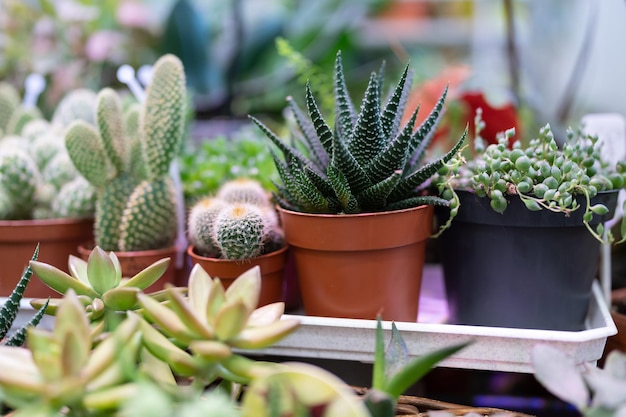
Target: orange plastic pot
x=272, y=270
x=135, y=261
x=360, y=265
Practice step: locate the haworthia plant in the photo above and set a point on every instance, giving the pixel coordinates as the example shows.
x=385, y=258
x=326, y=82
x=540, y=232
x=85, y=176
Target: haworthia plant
x=9, y=310
x=127, y=158
x=366, y=162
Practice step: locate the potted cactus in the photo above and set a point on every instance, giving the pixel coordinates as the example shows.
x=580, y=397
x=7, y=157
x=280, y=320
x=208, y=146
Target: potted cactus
x=235, y=230
x=127, y=159
x=43, y=198
x=351, y=207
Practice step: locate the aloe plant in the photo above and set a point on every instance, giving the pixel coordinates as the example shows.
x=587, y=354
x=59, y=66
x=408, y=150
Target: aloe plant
x=365, y=162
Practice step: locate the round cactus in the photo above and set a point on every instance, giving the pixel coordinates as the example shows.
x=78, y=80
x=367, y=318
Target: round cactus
x=200, y=225
x=19, y=178
x=45, y=147
x=76, y=199
x=244, y=190
x=76, y=105
x=240, y=231
x=60, y=170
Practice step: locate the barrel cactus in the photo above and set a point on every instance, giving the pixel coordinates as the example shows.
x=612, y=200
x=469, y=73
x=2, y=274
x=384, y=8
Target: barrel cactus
x=238, y=223
x=34, y=166
x=127, y=157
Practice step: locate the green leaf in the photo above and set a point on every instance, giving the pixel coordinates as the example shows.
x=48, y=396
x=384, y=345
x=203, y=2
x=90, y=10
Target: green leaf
x=378, y=371
x=396, y=355
x=417, y=368
x=101, y=271
x=599, y=209
x=532, y=205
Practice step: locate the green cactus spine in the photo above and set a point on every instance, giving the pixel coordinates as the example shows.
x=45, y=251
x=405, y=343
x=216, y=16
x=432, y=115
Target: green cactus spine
x=127, y=158
x=240, y=230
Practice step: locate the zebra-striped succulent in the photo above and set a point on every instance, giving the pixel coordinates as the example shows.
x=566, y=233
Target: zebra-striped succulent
x=127, y=158
x=367, y=162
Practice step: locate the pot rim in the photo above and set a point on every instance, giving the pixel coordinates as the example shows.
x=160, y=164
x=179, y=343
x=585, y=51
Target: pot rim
x=357, y=215
x=194, y=255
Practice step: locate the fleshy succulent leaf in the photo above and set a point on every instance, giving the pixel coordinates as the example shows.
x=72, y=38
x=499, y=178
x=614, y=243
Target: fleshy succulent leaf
x=149, y=275
x=59, y=281
x=101, y=271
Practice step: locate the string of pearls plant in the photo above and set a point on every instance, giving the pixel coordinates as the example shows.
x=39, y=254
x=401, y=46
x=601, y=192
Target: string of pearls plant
x=544, y=175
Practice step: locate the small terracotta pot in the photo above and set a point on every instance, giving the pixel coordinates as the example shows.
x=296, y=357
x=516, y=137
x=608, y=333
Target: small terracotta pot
x=135, y=261
x=272, y=269
x=58, y=239
x=360, y=265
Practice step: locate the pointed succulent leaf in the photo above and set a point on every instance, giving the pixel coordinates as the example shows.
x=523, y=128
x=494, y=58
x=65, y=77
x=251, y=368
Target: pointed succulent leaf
x=380, y=78
x=247, y=288
x=59, y=281
x=101, y=271
x=344, y=161
x=155, y=368
x=111, y=126
x=196, y=323
x=368, y=140
x=320, y=182
x=266, y=314
x=161, y=347
x=149, y=275
x=19, y=372
x=344, y=109
x=45, y=353
x=394, y=109
x=374, y=198
x=429, y=200
x=199, y=285
x=396, y=355
x=164, y=115
x=19, y=336
x=394, y=156
x=165, y=318
x=425, y=132
x=321, y=127
x=311, y=198
x=210, y=350
x=78, y=269
x=262, y=337
x=121, y=298
x=379, y=368
x=85, y=148
x=231, y=319
x=11, y=306
x=71, y=318
x=408, y=184
x=74, y=353
x=311, y=141
x=340, y=185
x=216, y=298
x=111, y=398
x=402, y=380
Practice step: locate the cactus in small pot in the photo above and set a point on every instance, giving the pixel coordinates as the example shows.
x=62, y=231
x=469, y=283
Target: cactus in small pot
x=238, y=223
x=128, y=157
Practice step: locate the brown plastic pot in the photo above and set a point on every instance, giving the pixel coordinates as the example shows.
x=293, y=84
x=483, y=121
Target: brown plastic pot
x=58, y=239
x=135, y=261
x=359, y=265
x=272, y=270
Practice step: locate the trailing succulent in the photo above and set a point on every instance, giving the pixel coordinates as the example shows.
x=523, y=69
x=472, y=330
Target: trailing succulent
x=128, y=157
x=366, y=162
x=239, y=222
x=37, y=177
x=542, y=174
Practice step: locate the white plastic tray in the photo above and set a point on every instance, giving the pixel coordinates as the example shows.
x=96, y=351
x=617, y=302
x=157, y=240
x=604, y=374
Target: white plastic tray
x=493, y=348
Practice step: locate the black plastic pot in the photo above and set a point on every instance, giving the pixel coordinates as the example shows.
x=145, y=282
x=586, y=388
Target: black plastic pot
x=521, y=269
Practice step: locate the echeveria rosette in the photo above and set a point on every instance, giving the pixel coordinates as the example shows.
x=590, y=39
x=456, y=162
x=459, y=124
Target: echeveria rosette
x=544, y=175
x=65, y=368
x=99, y=284
x=196, y=334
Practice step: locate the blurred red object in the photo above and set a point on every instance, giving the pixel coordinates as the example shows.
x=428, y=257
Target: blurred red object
x=497, y=119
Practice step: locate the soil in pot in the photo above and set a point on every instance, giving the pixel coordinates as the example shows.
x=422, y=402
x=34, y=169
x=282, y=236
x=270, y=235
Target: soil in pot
x=272, y=271
x=58, y=239
x=521, y=269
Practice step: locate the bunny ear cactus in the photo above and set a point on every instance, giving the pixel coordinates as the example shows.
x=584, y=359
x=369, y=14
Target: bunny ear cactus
x=366, y=163
x=127, y=158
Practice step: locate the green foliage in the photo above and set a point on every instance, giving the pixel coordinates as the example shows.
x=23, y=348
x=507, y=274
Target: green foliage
x=366, y=163
x=127, y=158
x=205, y=166
x=541, y=174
